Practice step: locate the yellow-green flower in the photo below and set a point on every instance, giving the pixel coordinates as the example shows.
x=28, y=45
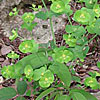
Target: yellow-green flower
x=28, y=46
x=82, y=16
x=58, y=6
x=46, y=79
x=63, y=56
x=28, y=17
x=28, y=70
x=38, y=73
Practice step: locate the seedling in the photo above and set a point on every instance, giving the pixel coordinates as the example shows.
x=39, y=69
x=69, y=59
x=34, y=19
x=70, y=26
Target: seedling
x=15, y=34
x=28, y=19
x=36, y=8
x=14, y=12
x=13, y=55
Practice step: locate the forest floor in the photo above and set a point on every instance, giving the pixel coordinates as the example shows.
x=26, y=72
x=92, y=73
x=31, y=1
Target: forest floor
x=88, y=65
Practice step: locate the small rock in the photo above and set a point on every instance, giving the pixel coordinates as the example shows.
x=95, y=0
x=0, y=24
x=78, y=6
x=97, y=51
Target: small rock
x=1, y=59
x=97, y=95
x=6, y=63
x=5, y=50
x=85, y=67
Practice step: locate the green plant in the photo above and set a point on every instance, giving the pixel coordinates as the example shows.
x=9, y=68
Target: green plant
x=13, y=55
x=36, y=8
x=52, y=76
x=98, y=64
x=15, y=35
x=92, y=81
x=14, y=12
x=28, y=46
x=28, y=19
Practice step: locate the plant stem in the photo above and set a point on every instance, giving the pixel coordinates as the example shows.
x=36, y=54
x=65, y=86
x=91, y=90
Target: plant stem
x=51, y=25
x=31, y=35
x=69, y=20
x=92, y=38
x=53, y=34
x=45, y=5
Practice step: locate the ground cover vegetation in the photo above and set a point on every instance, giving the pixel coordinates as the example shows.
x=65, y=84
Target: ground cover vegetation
x=46, y=67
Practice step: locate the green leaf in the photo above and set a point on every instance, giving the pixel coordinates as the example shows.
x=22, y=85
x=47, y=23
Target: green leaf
x=44, y=93
x=97, y=28
x=38, y=73
x=92, y=82
x=70, y=40
x=35, y=46
x=89, y=3
x=42, y=15
x=62, y=72
x=87, y=95
x=35, y=60
x=66, y=1
x=79, y=51
x=90, y=11
x=17, y=71
x=28, y=93
x=82, y=41
x=98, y=64
x=76, y=79
x=14, y=34
x=28, y=70
x=71, y=29
x=21, y=87
x=8, y=71
x=79, y=32
x=28, y=26
x=11, y=14
x=96, y=9
x=20, y=98
x=7, y=93
x=78, y=96
x=62, y=97
x=68, y=10
x=91, y=29
x=14, y=9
